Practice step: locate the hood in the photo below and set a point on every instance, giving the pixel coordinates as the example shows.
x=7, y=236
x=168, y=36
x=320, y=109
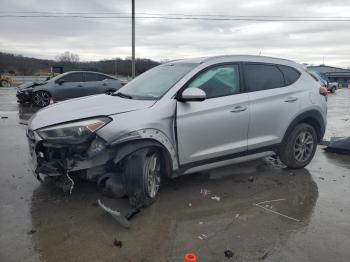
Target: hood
x=30, y=85
x=86, y=107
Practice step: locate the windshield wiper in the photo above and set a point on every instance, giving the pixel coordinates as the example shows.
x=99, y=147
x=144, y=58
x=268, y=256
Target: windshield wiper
x=122, y=95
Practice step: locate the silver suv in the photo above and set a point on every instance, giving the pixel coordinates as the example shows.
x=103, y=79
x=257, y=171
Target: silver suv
x=179, y=118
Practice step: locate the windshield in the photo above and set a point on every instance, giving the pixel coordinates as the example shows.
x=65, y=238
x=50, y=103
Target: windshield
x=154, y=83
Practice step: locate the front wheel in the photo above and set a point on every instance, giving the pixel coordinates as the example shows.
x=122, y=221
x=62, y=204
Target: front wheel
x=41, y=98
x=333, y=89
x=142, y=175
x=300, y=146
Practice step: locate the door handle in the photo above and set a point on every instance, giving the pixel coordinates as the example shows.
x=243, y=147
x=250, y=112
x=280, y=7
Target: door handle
x=291, y=99
x=238, y=109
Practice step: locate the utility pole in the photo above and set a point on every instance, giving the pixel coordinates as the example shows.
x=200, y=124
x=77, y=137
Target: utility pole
x=133, y=39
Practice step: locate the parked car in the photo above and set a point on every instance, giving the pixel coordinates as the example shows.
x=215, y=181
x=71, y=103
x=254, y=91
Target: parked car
x=66, y=86
x=322, y=78
x=332, y=86
x=180, y=118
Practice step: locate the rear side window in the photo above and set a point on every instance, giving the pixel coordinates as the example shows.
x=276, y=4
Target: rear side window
x=73, y=77
x=91, y=77
x=222, y=80
x=290, y=74
x=262, y=77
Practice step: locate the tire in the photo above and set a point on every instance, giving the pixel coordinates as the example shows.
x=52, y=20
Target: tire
x=142, y=176
x=5, y=83
x=333, y=89
x=41, y=98
x=299, y=147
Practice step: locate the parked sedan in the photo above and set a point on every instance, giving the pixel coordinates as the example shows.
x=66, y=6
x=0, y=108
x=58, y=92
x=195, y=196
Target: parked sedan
x=65, y=86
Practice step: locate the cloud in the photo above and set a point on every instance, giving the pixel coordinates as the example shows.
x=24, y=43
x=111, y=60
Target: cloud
x=161, y=39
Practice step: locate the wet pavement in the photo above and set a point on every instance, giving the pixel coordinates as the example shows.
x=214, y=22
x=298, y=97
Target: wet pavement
x=264, y=212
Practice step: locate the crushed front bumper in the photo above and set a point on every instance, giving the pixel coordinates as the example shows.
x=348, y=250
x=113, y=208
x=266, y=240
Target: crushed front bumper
x=24, y=95
x=88, y=159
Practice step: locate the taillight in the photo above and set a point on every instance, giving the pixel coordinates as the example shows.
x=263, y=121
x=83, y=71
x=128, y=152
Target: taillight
x=323, y=91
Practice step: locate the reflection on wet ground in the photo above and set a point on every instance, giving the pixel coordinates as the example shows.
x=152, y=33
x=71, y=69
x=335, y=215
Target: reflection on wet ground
x=170, y=228
x=39, y=222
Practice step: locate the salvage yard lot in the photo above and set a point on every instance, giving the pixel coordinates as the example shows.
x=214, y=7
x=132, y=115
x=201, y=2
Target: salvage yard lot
x=206, y=213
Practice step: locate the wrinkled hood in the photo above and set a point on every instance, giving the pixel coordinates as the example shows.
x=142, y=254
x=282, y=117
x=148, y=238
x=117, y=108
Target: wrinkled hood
x=30, y=85
x=86, y=107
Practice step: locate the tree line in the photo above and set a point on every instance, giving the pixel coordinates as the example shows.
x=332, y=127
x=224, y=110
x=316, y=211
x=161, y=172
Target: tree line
x=21, y=65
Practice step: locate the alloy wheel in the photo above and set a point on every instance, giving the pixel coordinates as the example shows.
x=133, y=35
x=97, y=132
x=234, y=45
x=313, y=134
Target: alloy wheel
x=152, y=175
x=41, y=98
x=303, y=146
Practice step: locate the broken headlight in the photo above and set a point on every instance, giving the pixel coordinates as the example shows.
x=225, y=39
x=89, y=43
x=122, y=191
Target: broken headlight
x=74, y=132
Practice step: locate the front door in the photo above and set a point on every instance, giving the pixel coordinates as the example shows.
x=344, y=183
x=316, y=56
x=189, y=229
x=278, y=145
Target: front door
x=217, y=126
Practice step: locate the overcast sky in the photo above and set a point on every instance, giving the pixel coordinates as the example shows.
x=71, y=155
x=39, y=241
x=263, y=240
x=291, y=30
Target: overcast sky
x=159, y=39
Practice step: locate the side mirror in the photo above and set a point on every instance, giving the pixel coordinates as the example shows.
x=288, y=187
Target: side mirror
x=60, y=81
x=192, y=94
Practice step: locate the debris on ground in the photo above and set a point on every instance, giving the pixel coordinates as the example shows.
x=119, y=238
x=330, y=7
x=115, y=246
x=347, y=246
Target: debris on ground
x=205, y=192
x=322, y=178
x=275, y=212
x=263, y=257
x=95, y=204
x=189, y=204
x=251, y=179
x=217, y=198
x=237, y=215
x=118, y=243
x=116, y=215
x=31, y=232
x=339, y=145
x=228, y=253
x=132, y=212
x=200, y=222
x=203, y=236
x=4, y=117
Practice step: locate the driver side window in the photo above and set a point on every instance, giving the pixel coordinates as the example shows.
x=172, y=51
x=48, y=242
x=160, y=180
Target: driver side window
x=222, y=80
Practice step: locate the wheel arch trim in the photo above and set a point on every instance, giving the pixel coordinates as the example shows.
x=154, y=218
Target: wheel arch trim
x=311, y=117
x=142, y=138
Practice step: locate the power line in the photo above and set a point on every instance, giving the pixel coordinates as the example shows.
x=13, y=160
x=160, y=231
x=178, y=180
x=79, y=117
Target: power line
x=58, y=13
x=237, y=18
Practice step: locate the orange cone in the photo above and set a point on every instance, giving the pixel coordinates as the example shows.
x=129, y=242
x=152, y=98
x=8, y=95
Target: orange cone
x=189, y=257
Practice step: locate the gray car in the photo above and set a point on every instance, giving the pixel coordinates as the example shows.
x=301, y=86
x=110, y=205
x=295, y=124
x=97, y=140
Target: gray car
x=66, y=86
x=180, y=118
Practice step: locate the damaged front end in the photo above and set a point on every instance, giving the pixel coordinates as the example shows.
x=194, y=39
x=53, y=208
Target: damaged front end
x=69, y=149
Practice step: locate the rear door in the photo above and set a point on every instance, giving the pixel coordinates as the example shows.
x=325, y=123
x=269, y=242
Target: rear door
x=274, y=99
x=217, y=126
x=71, y=87
x=95, y=83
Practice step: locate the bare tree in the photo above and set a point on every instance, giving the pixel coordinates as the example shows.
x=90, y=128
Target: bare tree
x=68, y=57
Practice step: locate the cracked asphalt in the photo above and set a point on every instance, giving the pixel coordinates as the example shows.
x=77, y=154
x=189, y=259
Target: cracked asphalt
x=302, y=215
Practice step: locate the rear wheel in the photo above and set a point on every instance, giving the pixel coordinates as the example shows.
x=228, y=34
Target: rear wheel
x=109, y=92
x=142, y=175
x=300, y=146
x=41, y=98
x=333, y=89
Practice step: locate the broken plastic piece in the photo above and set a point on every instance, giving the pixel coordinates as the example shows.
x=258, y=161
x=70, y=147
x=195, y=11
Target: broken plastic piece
x=118, y=243
x=203, y=236
x=339, y=145
x=132, y=212
x=228, y=253
x=115, y=214
x=217, y=198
